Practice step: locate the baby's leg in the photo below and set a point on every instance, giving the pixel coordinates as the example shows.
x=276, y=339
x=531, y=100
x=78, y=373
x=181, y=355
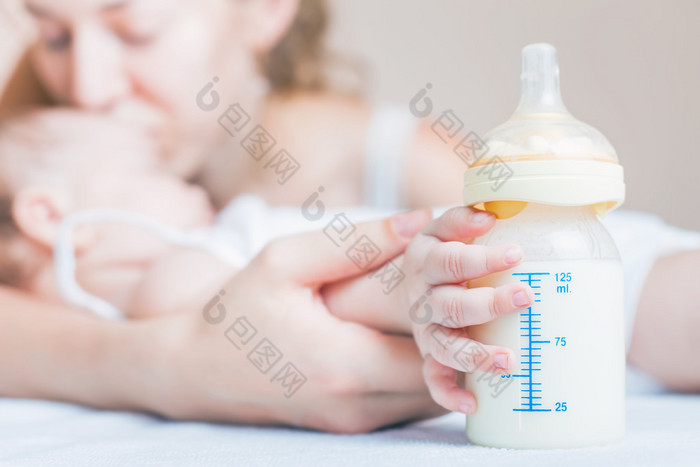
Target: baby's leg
x=666, y=338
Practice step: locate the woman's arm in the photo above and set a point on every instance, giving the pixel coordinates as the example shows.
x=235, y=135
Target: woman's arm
x=666, y=338
x=265, y=351
x=53, y=352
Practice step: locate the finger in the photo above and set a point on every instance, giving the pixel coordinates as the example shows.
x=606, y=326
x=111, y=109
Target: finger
x=456, y=307
x=370, y=412
x=393, y=408
x=455, y=262
x=325, y=256
x=442, y=384
x=348, y=299
x=460, y=224
x=386, y=363
x=433, y=410
x=385, y=374
x=453, y=348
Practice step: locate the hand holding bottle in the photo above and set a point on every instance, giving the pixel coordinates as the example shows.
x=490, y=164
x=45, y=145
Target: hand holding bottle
x=438, y=262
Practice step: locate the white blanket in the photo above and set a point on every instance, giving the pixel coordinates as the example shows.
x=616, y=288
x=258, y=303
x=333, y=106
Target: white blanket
x=662, y=429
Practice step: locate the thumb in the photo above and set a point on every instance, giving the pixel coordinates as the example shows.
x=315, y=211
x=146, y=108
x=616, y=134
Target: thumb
x=342, y=250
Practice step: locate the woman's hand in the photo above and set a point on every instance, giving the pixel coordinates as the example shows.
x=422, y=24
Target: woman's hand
x=267, y=351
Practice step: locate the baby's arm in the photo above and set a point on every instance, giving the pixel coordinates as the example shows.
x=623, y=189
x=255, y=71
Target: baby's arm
x=181, y=279
x=666, y=337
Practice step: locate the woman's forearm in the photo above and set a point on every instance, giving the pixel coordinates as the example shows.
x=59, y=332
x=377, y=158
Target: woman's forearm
x=53, y=352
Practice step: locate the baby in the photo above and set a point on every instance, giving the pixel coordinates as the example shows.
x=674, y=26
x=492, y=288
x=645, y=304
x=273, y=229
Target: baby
x=61, y=162
x=57, y=163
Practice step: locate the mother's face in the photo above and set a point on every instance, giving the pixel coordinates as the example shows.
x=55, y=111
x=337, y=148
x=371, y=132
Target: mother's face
x=146, y=60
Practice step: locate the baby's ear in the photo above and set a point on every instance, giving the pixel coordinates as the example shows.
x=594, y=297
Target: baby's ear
x=38, y=212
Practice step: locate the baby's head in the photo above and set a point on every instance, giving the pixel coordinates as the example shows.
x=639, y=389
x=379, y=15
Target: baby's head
x=54, y=163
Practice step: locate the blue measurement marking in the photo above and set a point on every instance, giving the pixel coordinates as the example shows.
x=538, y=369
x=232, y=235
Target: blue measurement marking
x=530, y=354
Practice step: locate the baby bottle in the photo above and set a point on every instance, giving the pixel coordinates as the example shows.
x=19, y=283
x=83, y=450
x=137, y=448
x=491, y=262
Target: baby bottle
x=548, y=178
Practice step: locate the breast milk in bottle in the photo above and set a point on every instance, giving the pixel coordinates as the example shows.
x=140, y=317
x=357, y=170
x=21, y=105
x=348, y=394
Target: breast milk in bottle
x=548, y=178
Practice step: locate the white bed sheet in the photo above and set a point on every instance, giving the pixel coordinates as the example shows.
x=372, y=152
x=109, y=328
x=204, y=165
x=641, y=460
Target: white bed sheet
x=662, y=429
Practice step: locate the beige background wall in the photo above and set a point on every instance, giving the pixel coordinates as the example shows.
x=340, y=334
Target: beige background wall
x=630, y=68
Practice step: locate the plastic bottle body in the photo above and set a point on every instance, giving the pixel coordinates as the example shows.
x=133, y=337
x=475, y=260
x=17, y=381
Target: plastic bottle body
x=567, y=387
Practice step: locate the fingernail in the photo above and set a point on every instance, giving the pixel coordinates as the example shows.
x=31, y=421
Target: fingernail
x=466, y=408
x=521, y=298
x=500, y=361
x=480, y=216
x=408, y=224
x=513, y=255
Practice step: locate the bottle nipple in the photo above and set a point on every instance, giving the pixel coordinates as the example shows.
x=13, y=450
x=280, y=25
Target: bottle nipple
x=539, y=81
x=542, y=154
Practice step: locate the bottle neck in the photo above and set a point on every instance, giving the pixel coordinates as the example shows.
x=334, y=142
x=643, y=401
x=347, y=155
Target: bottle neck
x=535, y=211
x=548, y=232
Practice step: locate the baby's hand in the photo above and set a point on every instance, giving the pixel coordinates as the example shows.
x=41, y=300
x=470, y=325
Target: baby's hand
x=438, y=262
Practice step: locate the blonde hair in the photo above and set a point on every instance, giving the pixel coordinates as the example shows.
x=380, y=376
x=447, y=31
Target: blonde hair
x=11, y=271
x=298, y=60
